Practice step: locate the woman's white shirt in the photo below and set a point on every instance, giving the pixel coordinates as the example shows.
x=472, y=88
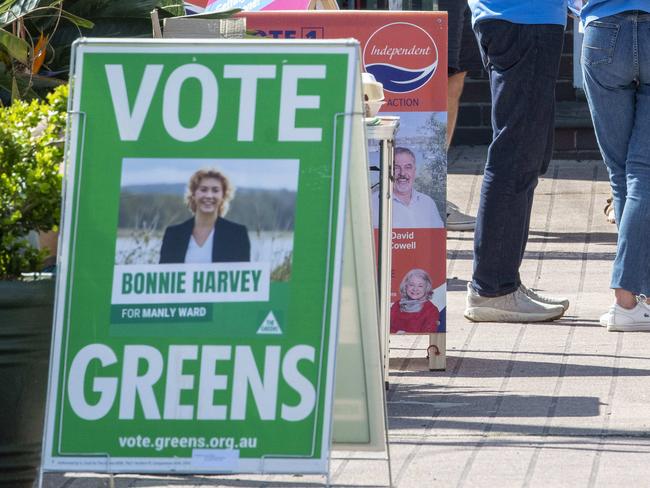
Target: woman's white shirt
x=200, y=254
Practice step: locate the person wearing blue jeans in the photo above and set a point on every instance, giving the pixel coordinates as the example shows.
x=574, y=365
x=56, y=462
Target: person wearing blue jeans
x=616, y=68
x=521, y=44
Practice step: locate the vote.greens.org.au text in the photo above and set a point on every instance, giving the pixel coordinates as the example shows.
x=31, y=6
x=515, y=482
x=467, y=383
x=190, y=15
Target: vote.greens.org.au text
x=165, y=442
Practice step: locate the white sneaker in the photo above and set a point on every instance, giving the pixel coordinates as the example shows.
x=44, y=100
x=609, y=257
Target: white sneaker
x=513, y=307
x=604, y=319
x=544, y=299
x=623, y=320
x=457, y=220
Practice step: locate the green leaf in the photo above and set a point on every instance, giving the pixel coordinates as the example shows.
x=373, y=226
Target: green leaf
x=18, y=9
x=49, y=15
x=15, y=46
x=41, y=81
x=6, y=5
x=96, y=9
x=174, y=7
x=76, y=20
x=15, y=93
x=24, y=82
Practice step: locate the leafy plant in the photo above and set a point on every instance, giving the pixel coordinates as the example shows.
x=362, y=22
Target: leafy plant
x=36, y=35
x=23, y=45
x=109, y=18
x=31, y=154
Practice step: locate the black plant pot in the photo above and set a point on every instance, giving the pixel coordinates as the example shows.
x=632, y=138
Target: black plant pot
x=25, y=335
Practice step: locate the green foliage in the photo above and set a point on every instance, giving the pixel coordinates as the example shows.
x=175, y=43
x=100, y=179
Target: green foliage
x=283, y=272
x=432, y=178
x=110, y=18
x=61, y=22
x=31, y=154
x=15, y=46
x=10, y=10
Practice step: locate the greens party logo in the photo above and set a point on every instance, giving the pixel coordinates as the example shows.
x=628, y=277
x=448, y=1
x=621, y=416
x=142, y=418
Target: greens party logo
x=402, y=56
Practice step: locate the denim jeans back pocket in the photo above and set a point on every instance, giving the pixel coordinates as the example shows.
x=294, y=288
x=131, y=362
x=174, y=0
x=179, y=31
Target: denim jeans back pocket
x=599, y=42
x=499, y=42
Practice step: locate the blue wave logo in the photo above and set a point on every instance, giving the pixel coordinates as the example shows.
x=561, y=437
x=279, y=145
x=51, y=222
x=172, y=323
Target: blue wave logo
x=402, y=56
x=398, y=79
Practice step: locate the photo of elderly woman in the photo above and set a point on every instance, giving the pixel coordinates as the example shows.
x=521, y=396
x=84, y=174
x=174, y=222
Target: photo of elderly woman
x=414, y=312
x=207, y=237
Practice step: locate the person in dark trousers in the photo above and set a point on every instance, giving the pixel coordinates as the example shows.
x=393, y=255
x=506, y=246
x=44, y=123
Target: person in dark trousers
x=459, y=51
x=520, y=44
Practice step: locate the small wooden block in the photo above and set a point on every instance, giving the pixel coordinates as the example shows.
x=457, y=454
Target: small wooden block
x=437, y=351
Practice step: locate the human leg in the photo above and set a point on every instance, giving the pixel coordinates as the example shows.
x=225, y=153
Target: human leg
x=619, y=104
x=631, y=269
x=456, y=13
x=522, y=61
x=458, y=24
x=617, y=82
x=609, y=210
x=609, y=80
x=455, y=83
x=456, y=220
x=546, y=159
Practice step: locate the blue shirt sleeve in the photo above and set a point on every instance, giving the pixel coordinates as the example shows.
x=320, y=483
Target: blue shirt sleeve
x=520, y=11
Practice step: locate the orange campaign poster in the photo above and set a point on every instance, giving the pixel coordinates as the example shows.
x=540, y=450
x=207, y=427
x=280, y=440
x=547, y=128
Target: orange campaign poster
x=407, y=53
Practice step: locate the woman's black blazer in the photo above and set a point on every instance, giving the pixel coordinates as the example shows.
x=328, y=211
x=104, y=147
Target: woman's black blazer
x=230, y=244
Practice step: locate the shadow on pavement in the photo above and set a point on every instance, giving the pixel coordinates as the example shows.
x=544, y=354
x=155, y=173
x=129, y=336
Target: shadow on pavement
x=544, y=255
x=552, y=237
x=592, y=442
x=474, y=367
x=52, y=480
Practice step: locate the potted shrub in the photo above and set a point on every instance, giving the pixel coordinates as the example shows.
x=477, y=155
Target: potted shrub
x=31, y=154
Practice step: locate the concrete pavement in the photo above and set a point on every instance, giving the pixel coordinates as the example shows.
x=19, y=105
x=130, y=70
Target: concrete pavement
x=560, y=404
